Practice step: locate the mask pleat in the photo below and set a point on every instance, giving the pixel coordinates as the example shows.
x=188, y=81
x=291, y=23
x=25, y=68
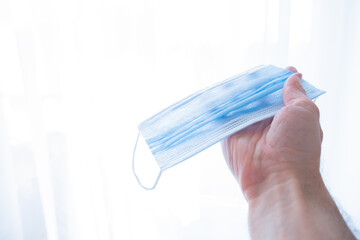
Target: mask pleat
x=208, y=116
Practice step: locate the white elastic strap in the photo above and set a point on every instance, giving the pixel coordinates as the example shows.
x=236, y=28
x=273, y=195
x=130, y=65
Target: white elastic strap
x=133, y=169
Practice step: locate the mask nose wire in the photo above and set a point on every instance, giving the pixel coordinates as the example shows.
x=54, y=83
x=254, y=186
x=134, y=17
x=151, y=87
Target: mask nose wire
x=133, y=169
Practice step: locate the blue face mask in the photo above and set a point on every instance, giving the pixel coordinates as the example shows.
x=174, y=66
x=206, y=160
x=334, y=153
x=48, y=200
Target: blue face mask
x=210, y=115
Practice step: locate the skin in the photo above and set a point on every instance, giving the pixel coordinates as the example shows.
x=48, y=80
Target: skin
x=276, y=162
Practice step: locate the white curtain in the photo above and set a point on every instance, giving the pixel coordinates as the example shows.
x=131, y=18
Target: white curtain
x=76, y=77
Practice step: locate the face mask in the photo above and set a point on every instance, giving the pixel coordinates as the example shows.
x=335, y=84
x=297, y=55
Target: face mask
x=210, y=115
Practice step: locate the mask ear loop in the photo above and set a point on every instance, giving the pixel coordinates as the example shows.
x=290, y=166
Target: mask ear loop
x=133, y=169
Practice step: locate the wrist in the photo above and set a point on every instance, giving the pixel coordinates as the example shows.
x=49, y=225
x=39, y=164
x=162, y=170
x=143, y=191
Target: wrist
x=288, y=204
x=302, y=179
x=285, y=200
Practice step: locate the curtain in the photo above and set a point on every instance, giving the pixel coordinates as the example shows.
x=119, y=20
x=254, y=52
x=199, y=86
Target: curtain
x=77, y=77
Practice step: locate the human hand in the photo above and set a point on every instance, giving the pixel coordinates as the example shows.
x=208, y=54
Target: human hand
x=276, y=162
x=285, y=146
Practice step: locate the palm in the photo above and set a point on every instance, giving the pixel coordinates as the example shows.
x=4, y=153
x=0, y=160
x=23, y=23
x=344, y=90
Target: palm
x=244, y=151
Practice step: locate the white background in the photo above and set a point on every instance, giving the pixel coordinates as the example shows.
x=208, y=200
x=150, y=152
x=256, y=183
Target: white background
x=77, y=77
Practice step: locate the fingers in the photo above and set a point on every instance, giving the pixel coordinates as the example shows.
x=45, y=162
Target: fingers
x=295, y=95
x=293, y=90
x=292, y=69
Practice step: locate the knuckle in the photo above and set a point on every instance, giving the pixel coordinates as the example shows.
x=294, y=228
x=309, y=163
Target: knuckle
x=302, y=102
x=307, y=104
x=299, y=87
x=314, y=109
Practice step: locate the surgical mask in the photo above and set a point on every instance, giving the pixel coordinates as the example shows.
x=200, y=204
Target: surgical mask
x=210, y=115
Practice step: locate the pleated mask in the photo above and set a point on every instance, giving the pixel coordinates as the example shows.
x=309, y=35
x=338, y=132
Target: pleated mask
x=212, y=114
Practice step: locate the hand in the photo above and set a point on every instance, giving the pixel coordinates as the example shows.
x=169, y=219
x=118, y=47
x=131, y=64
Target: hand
x=276, y=162
x=289, y=144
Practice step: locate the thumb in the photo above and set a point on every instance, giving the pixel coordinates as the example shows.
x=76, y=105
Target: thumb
x=293, y=90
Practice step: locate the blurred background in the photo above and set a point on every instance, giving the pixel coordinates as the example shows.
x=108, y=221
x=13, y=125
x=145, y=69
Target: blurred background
x=77, y=77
